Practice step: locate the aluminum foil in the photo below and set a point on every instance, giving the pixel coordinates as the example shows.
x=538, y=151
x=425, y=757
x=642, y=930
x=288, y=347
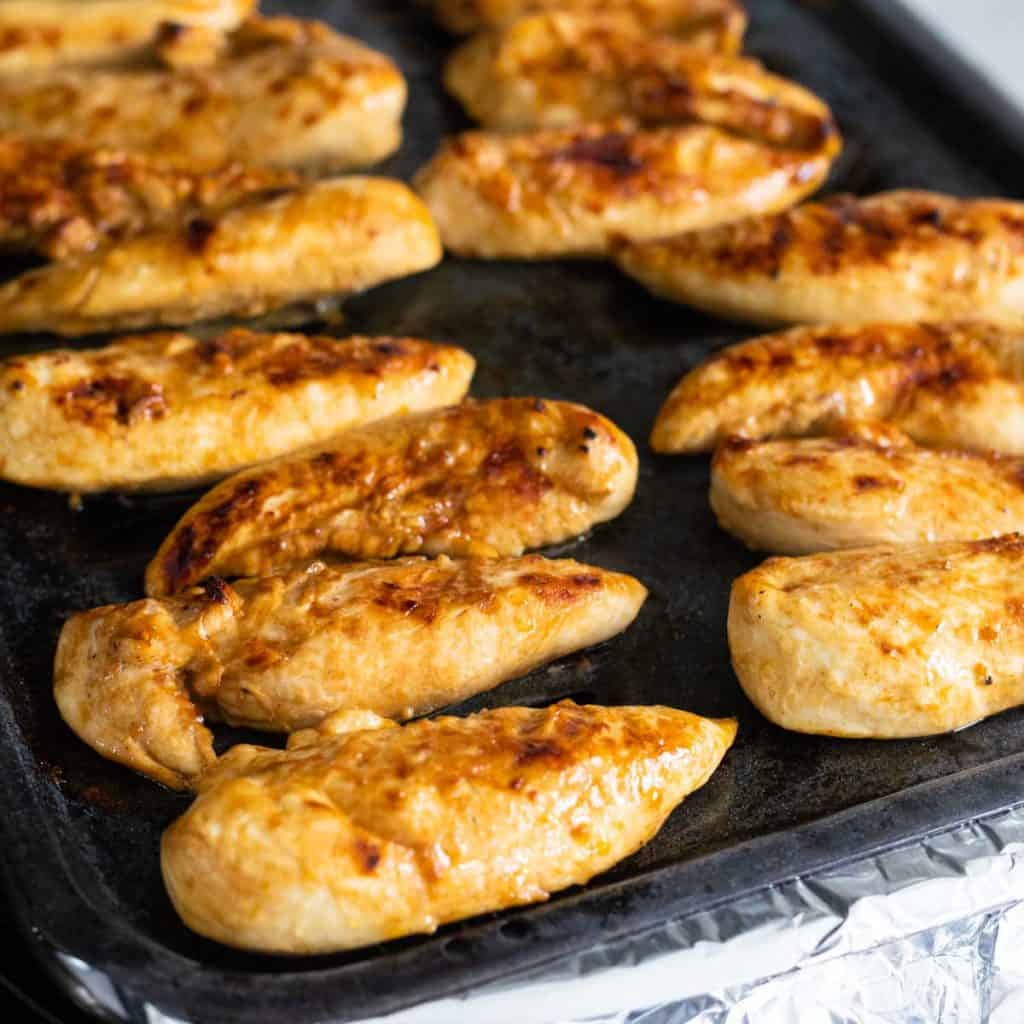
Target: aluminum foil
x=931, y=932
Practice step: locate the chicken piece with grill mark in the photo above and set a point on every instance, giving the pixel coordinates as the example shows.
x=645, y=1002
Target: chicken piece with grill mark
x=482, y=478
x=365, y=832
x=284, y=651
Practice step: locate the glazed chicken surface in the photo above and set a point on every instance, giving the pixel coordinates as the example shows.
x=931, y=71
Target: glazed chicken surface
x=558, y=69
x=482, y=478
x=883, y=642
x=280, y=92
x=718, y=23
x=799, y=496
x=578, y=191
x=952, y=385
x=282, y=652
x=365, y=832
x=907, y=256
x=163, y=411
x=59, y=198
x=38, y=34
x=322, y=241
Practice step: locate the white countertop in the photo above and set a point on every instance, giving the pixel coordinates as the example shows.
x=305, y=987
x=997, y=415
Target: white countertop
x=989, y=33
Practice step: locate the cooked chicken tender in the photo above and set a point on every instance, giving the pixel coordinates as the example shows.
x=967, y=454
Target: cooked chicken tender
x=282, y=652
x=796, y=497
x=44, y=33
x=557, y=69
x=487, y=478
x=717, y=24
x=883, y=642
x=333, y=238
x=58, y=198
x=576, y=191
x=284, y=93
x=162, y=411
x=895, y=256
x=952, y=385
x=356, y=837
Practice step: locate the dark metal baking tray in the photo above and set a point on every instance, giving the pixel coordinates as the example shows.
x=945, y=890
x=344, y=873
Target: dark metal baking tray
x=79, y=835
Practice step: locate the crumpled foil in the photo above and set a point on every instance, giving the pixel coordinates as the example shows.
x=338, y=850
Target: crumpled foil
x=930, y=932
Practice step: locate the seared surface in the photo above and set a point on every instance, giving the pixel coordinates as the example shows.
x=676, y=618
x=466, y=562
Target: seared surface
x=557, y=69
x=956, y=385
x=906, y=255
x=575, y=191
x=795, y=497
x=283, y=92
x=162, y=411
x=282, y=652
x=43, y=33
x=58, y=198
x=354, y=838
x=491, y=478
x=883, y=642
x=704, y=22
x=332, y=238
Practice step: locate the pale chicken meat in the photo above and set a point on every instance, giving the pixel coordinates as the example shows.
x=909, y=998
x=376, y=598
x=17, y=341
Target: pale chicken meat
x=162, y=411
x=557, y=69
x=319, y=242
x=799, y=496
x=883, y=642
x=952, y=385
x=282, y=92
x=717, y=24
x=482, y=478
x=906, y=256
x=366, y=832
x=58, y=198
x=578, y=191
x=282, y=652
x=37, y=34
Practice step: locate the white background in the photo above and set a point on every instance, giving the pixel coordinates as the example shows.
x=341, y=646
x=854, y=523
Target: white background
x=989, y=33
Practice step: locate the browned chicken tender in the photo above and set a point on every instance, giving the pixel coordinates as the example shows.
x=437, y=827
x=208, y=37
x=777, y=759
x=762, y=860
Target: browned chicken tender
x=558, y=69
x=284, y=93
x=717, y=24
x=326, y=240
x=883, y=642
x=489, y=478
x=953, y=385
x=356, y=837
x=161, y=411
x=58, y=198
x=282, y=652
x=795, y=497
x=904, y=256
x=45, y=33
x=577, y=191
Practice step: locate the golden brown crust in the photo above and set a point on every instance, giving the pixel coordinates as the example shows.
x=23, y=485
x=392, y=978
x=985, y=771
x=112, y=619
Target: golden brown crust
x=331, y=238
x=558, y=69
x=907, y=255
x=161, y=411
x=58, y=198
x=883, y=642
x=383, y=832
x=717, y=24
x=797, y=497
x=492, y=477
x=47, y=33
x=957, y=385
x=284, y=93
x=282, y=652
x=576, y=191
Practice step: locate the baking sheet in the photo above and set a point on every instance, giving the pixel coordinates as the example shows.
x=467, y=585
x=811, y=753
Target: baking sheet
x=81, y=835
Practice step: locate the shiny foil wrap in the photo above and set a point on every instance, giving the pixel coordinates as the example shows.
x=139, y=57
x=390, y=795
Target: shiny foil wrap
x=930, y=932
